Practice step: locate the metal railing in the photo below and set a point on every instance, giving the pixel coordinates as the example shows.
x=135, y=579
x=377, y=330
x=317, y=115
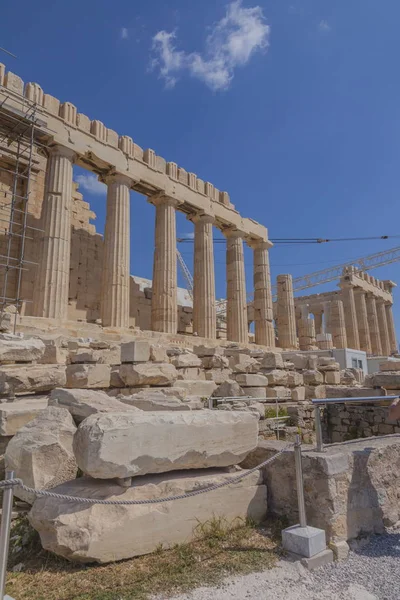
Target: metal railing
x=318, y=402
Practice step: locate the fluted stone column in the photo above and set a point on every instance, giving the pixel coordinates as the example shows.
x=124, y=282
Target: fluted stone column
x=52, y=278
x=350, y=315
x=116, y=254
x=383, y=326
x=391, y=328
x=286, y=317
x=236, y=317
x=362, y=320
x=306, y=329
x=262, y=303
x=204, y=310
x=373, y=325
x=164, y=304
x=338, y=324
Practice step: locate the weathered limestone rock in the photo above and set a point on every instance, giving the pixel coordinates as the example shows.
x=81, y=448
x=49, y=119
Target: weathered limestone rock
x=313, y=377
x=251, y=380
x=88, y=376
x=32, y=378
x=317, y=392
x=276, y=377
x=294, y=379
x=172, y=392
x=347, y=377
x=41, y=452
x=389, y=381
x=20, y=350
x=278, y=392
x=133, y=352
x=155, y=401
x=242, y=363
x=198, y=388
x=131, y=444
x=299, y=394
x=55, y=352
x=332, y=377
x=83, y=403
x=228, y=389
x=148, y=374
x=109, y=356
x=218, y=375
x=14, y=415
x=186, y=360
x=300, y=361
x=217, y=362
x=158, y=354
x=351, y=488
x=255, y=392
x=202, y=351
x=352, y=392
x=193, y=373
x=272, y=360
x=104, y=533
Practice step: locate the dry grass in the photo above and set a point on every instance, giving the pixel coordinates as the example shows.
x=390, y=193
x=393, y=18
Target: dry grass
x=217, y=552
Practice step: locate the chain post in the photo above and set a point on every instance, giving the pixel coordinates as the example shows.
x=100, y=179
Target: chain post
x=5, y=532
x=300, y=482
x=318, y=428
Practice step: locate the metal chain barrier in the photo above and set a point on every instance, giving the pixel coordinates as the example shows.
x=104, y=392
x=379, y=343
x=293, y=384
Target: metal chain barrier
x=216, y=486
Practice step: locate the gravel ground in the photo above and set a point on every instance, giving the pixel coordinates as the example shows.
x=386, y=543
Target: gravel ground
x=372, y=572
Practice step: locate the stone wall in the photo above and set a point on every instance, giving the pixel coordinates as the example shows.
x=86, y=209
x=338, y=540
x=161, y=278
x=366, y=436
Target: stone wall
x=351, y=489
x=349, y=422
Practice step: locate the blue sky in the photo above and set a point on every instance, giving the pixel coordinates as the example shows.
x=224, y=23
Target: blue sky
x=291, y=106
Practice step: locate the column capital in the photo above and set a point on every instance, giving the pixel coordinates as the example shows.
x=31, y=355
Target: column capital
x=233, y=233
x=116, y=178
x=161, y=198
x=201, y=217
x=259, y=244
x=58, y=150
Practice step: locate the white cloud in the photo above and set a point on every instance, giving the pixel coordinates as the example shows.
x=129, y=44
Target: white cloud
x=231, y=43
x=124, y=33
x=324, y=25
x=91, y=184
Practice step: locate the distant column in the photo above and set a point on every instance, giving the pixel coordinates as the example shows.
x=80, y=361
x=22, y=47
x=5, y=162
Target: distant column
x=262, y=303
x=327, y=316
x=383, y=326
x=204, y=310
x=286, y=316
x=237, y=324
x=392, y=329
x=52, y=278
x=373, y=325
x=362, y=320
x=350, y=315
x=338, y=325
x=306, y=330
x=164, y=305
x=317, y=321
x=116, y=254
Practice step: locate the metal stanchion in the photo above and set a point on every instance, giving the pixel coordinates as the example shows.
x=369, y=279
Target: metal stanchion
x=211, y=403
x=5, y=533
x=318, y=429
x=300, y=482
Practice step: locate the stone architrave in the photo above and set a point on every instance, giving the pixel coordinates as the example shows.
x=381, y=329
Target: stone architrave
x=262, y=303
x=383, y=326
x=52, y=278
x=164, y=304
x=286, y=316
x=338, y=325
x=362, y=320
x=391, y=328
x=236, y=317
x=373, y=325
x=350, y=315
x=127, y=444
x=116, y=255
x=204, y=309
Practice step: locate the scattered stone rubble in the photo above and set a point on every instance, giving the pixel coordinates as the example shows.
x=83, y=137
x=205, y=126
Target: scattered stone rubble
x=122, y=410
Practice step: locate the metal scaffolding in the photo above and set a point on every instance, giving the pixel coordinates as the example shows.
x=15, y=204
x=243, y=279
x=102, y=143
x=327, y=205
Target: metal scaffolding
x=18, y=132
